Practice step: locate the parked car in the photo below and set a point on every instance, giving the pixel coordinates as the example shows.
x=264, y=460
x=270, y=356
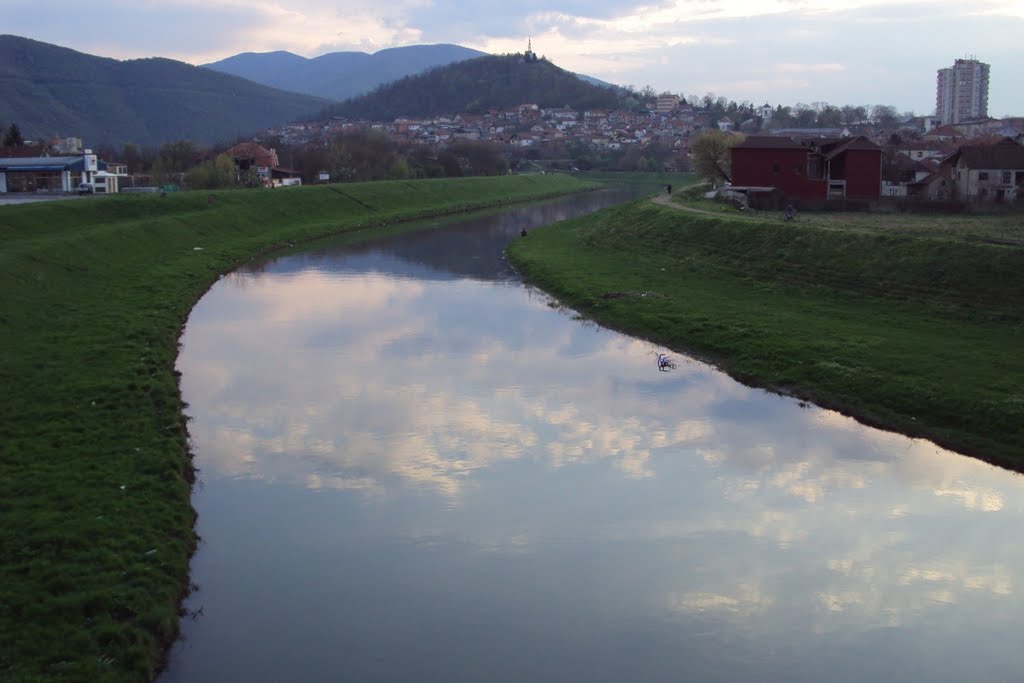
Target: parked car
x=85, y=188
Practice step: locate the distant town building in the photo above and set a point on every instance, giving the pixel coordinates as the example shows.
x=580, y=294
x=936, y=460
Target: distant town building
x=667, y=103
x=66, y=146
x=961, y=92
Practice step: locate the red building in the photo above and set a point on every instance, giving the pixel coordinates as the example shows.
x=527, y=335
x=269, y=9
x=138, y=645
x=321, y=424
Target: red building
x=850, y=168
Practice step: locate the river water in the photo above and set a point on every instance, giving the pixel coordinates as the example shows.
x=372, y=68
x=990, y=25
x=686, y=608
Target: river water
x=413, y=467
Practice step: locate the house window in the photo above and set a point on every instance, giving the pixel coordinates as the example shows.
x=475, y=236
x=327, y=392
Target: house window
x=1007, y=177
x=775, y=167
x=982, y=175
x=796, y=170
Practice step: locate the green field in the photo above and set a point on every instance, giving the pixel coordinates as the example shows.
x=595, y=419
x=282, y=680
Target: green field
x=1001, y=227
x=96, y=526
x=916, y=330
x=656, y=180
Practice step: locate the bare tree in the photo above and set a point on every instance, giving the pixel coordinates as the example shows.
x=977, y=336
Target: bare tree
x=711, y=154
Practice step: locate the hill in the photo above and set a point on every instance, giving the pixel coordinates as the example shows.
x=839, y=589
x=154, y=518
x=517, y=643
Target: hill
x=50, y=90
x=477, y=85
x=340, y=75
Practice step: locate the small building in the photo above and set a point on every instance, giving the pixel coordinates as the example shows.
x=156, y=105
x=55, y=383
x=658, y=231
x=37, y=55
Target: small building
x=987, y=173
x=254, y=158
x=848, y=168
x=54, y=174
x=667, y=103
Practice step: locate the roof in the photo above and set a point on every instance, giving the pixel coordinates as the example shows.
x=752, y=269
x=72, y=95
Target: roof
x=833, y=149
x=829, y=148
x=1004, y=155
x=946, y=131
x=42, y=163
x=250, y=150
x=768, y=142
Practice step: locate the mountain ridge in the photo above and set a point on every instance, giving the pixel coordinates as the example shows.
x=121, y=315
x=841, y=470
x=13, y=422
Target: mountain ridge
x=340, y=75
x=50, y=90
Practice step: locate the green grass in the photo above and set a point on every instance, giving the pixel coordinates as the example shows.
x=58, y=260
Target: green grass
x=657, y=180
x=96, y=526
x=918, y=334
x=1002, y=227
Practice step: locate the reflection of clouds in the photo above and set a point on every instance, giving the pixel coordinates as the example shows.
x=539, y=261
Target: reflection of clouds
x=745, y=600
x=346, y=404
x=378, y=385
x=974, y=499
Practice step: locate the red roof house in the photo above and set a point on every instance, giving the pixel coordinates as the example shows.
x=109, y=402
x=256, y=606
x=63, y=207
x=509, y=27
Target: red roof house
x=848, y=168
x=251, y=155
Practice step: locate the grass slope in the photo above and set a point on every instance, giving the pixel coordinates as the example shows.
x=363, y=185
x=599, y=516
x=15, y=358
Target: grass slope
x=919, y=334
x=95, y=519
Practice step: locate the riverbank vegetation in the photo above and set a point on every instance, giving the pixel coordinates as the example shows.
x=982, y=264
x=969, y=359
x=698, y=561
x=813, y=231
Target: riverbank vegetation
x=96, y=527
x=916, y=328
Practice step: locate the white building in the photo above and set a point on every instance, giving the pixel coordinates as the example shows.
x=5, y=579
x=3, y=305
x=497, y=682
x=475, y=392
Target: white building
x=961, y=92
x=57, y=174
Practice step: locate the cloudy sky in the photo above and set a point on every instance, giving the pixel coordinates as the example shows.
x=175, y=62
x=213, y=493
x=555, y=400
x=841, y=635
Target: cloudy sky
x=779, y=51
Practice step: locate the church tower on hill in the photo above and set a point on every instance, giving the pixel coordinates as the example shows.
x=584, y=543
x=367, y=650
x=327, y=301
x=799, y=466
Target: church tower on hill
x=530, y=55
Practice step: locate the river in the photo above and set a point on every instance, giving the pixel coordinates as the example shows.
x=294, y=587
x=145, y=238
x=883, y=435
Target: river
x=414, y=467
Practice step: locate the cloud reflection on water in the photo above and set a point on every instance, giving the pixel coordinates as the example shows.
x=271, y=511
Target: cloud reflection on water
x=751, y=510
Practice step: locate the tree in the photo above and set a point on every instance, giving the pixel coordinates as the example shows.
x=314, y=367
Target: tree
x=480, y=158
x=711, y=154
x=884, y=114
x=361, y=155
x=806, y=116
x=213, y=174
x=131, y=155
x=178, y=156
x=852, y=114
x=13, y=136
x=829, y=116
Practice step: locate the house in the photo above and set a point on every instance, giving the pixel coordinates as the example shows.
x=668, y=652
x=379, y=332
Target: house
x=249, y=156
x=818, y=169
x=922, y=149
x=987, y=173
x=943, y=134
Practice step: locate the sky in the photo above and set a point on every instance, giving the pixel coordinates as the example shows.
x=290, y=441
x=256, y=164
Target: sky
x=858, y=52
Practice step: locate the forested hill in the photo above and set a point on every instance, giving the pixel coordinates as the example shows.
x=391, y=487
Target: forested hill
x=50, y=90
x=477, y=85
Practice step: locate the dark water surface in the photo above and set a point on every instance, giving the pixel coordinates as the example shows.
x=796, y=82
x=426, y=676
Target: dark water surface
x=414, y=468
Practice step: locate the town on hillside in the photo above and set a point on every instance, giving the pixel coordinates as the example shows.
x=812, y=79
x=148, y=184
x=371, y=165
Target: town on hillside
x=807, y=152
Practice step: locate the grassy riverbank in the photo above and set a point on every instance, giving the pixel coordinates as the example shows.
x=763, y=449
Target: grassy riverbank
x=96, y=526
x=920, y=334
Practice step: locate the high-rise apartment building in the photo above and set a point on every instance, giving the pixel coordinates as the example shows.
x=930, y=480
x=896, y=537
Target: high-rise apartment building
x=961, y=92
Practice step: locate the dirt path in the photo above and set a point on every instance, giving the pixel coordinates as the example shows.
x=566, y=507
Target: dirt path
x=666, y=200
